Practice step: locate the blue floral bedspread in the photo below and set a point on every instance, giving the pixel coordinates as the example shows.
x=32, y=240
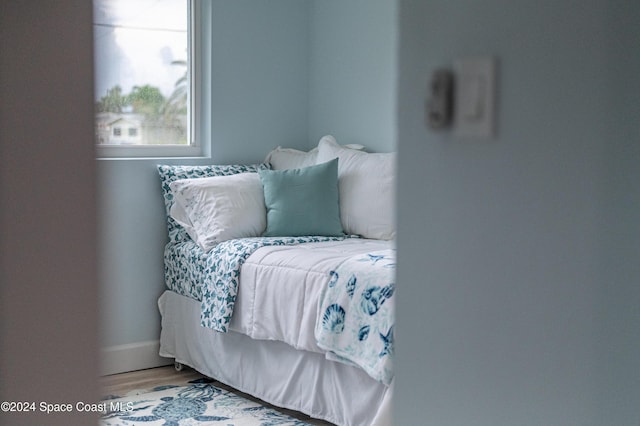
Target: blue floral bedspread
x=186, y=267
x=223, y=272
x=356, y=315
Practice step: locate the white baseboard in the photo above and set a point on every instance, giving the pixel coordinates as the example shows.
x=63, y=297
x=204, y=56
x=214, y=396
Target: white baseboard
x=132, y=357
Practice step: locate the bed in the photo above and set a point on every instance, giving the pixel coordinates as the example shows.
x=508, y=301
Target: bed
x=304, y=321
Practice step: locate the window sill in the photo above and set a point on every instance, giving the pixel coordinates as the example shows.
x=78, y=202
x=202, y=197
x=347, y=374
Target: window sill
x=119, y=152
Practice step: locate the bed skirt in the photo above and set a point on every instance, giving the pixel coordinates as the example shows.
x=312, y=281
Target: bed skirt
x=272, y=371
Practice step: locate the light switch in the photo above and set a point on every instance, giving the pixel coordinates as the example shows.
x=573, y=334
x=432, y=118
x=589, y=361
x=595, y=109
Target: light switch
x=474, y=103
x=473, y=89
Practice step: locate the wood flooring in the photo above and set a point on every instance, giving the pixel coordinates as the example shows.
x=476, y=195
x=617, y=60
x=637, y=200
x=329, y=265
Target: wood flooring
x=121, y=384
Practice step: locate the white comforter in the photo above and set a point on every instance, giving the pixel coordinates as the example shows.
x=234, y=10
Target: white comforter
x=281, y=287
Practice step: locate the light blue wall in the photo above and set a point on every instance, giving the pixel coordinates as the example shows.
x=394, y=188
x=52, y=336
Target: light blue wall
x=260, y=77
x=352, y=72
x=259, y=92
x=262, y=95
x=518, y=258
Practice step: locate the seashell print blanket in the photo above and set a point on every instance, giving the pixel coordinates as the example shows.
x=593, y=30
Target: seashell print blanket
x=356, y=315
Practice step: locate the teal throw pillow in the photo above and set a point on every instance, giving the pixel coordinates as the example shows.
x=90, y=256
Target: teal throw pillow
x=302, y=201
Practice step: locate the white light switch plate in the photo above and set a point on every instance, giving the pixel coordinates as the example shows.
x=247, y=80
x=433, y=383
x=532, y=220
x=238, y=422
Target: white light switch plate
x=474, y=97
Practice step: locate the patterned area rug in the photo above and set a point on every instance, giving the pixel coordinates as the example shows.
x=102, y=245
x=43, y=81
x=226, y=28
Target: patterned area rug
x=198, y=403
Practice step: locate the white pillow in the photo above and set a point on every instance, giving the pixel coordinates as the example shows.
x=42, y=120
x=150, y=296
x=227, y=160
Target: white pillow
x=367, y=189
x=220, y=208
x=289, y=158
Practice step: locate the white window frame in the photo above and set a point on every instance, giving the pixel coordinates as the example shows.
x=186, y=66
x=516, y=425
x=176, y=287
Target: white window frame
x=194, y=98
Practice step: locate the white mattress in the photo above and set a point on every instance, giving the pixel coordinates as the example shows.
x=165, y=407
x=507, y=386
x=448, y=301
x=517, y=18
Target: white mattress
x=280, y=288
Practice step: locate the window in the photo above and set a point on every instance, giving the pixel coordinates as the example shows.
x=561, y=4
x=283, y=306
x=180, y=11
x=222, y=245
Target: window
x=143, y=77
